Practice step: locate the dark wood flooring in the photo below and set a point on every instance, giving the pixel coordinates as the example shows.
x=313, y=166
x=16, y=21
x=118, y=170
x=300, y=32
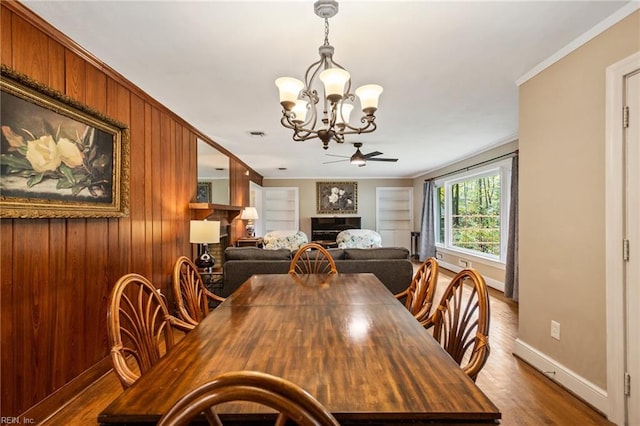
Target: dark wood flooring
x=524, y=395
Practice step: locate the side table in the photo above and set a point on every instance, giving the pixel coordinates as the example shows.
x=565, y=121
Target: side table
x=250, y=242
x=328, y=244
x=212, y=280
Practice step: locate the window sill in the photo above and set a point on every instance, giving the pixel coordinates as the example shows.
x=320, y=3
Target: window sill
x=475, y=259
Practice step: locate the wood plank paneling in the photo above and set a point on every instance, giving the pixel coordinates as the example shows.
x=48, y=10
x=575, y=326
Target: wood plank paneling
x=7, y=312
x=56, y=66
x=57, y=273
x=96, y=271
x=148, y=194
x=74, y=271
x=137, y=192
x=6, y=36
x=30, y=49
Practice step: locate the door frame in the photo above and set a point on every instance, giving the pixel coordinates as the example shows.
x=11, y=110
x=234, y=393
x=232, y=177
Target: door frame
x=614, y=235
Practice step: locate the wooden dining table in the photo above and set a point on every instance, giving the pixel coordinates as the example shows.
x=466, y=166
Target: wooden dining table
x=344, y=338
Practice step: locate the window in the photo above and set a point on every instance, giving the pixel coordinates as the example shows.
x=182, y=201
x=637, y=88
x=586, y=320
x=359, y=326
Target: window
x=472, y=211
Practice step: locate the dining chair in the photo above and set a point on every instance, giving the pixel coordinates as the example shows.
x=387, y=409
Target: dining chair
x=139, y=327
x=312, y=258
x=288, y=399
x=418, y=297
x=461, y=321
x=191, y=296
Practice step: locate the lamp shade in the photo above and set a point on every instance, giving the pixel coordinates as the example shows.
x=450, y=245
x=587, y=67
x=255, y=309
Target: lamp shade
x=289, y=89
x=300, y=111
x=249, y=213
x=345, y=112
x=369, y=95
x=334, y=80
x=204, y=232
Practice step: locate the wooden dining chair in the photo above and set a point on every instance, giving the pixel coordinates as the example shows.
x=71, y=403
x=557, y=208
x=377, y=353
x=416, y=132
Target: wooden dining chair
x=139, y=327
x=288, y=399
x=191, y=296
x=461, y=321
x=312, y=258
x=418, y=297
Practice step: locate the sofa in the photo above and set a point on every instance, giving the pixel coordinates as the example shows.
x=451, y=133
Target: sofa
x=391, y=265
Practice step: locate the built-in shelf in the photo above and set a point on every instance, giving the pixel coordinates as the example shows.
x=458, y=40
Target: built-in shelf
x=204, y=210
x=280, y=208
x=394, y=215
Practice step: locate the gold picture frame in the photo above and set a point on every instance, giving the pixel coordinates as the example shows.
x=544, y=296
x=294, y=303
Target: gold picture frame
x=58, y=157
x=337, y=197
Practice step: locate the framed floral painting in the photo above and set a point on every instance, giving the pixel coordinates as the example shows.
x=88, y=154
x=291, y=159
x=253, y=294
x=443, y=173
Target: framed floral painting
x=337, y=197
x=58, y=158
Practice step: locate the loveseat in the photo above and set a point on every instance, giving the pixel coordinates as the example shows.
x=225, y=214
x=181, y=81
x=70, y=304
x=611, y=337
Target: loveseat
x=391, y=265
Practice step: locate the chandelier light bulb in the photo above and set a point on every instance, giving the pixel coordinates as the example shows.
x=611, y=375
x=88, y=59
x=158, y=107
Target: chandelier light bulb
x=334, y=80
x=289, y=88
x=345, y=112
x=369, y=95
x=300, y=111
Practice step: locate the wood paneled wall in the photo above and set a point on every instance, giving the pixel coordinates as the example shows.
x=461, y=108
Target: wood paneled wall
x=56, y=274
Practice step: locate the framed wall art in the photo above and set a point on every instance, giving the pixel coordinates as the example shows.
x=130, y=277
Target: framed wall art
x=205, y=193
x=337, y=197
x=58, y=158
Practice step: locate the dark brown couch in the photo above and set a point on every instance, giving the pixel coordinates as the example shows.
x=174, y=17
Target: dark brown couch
x=391, y=265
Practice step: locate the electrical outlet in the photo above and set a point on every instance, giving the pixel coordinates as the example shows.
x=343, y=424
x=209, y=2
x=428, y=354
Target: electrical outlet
x=555, y=329
x=464, y=263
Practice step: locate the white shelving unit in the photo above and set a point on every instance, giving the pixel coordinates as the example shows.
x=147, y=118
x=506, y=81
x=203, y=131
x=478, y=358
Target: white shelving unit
x=394, y=216
x=280, y=209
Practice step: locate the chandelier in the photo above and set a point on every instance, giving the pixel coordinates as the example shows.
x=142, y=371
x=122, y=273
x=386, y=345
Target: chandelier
x=300, y=101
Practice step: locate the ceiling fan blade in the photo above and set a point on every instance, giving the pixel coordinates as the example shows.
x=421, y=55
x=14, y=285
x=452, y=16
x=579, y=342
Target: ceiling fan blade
x=372, y=154
x=341, y=156
x=392, y=160
x=335, y=161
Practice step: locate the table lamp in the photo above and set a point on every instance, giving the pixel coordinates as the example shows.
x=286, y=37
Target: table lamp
x=204, y=232
x=250, y=214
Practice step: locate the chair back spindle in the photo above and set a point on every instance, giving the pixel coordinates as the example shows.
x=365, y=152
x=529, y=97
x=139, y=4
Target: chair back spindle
x=288, y=399
x=418, y=297
x=461, y=321
x=312, y=258
x=191, y=295
x=139, y=326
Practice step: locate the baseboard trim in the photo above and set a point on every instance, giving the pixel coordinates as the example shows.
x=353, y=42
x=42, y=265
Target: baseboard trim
x=490, y=281
x=574, y=383
x=53, y=403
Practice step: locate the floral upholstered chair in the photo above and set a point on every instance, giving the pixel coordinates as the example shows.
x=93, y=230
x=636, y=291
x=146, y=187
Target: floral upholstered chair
x=358, y=238
x=291, y=240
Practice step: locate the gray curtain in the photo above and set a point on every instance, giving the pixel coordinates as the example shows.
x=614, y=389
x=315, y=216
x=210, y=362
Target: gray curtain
x=427, y=230
x=511, y=282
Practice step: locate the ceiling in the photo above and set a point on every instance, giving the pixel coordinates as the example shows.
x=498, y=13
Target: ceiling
x=448, y=68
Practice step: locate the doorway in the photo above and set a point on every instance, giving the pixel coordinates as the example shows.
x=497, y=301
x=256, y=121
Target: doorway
x=623, y=240
x=632, y=210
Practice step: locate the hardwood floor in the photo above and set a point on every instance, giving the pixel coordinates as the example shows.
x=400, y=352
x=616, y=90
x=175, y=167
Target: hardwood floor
x=524, y=395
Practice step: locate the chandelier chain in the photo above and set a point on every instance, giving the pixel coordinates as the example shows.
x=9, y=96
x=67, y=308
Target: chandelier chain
x=326, y=31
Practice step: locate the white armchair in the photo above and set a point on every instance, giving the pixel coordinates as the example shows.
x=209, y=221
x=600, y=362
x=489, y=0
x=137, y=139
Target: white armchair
x=290, y=239
x=358, y=238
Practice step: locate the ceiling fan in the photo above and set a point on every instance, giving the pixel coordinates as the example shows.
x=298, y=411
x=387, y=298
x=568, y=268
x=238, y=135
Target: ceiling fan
x=359, y=158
